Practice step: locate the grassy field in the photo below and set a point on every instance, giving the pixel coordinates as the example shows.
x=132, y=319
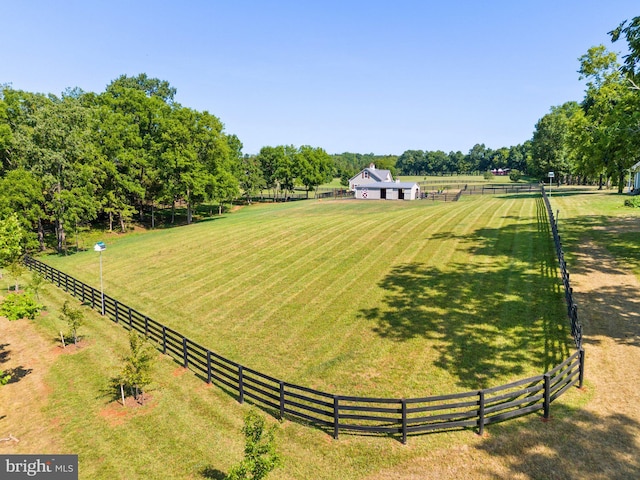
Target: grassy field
x=608, y=222
x=359, y=298
x=189, y=430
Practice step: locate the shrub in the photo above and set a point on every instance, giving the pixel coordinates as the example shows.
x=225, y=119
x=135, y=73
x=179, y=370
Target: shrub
x=136, y=369
x=633, y=202
x=4, y=378
x=488, y=175
x=260, y=455
x=515, y=175
x=74, y=319
x=20, y=305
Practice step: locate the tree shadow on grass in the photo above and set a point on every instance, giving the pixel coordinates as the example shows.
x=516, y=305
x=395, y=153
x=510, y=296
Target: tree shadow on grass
x=574, y=444
x=18, y=373
x=484, y=320
x=4, y=353
x=213, y=473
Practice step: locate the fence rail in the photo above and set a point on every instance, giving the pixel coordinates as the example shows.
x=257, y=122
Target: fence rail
x=497, y=188
x=336, y=413
x=572, y=307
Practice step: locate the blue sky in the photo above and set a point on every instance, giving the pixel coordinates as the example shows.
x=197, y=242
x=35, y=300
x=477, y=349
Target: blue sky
x=358, y=76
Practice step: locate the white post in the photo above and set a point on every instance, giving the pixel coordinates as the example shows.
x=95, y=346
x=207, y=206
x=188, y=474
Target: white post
x=101, y=285
x=99, y=247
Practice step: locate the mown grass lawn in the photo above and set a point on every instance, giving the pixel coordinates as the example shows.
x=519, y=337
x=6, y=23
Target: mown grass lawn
x=358, y=298
x=439, y=293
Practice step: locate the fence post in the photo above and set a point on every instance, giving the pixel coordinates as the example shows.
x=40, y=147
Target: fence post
x=93, y=298
x=404, y=421
x=581, y=376
x=240, y=385
x=481, y=413
x=184, y=352
x=146, y=326
x=336, y=417
x=164, y=339
x=281, y=400
x=547, y=395
x=208, y=366
x=117, y=310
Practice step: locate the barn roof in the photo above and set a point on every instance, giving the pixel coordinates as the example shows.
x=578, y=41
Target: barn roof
x=376, y=174
x=387, y=185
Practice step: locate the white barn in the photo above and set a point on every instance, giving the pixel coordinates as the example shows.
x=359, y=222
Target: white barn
x=374, y=184
x=635, y=183
x=388, y=191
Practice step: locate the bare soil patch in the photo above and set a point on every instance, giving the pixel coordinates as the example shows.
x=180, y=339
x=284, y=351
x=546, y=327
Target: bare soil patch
x=71, y=348
x=117, y=414
x=28, y=356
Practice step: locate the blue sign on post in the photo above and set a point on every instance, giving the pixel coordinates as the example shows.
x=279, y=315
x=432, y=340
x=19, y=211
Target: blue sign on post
x=99, y=247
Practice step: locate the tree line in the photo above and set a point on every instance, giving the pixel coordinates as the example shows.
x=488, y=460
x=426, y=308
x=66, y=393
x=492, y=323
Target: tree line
x=67, y=161
x=479, y=159
x=598, y=138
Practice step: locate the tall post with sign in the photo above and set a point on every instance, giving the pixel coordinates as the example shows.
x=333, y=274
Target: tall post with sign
x=100, y=247
x=551, y=175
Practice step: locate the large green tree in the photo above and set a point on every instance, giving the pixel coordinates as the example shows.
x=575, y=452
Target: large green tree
x=549, y=146
x=314, y=167
x=611, y=117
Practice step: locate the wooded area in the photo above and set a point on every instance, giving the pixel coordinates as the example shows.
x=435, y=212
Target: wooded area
x=68, y=162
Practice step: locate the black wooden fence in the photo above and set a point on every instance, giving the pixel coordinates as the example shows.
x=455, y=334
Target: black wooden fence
x=399, y=417
x=572, y=308
x=492, y=189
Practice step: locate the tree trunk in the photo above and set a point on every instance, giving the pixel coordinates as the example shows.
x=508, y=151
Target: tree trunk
x=600, y=182
x=62, y=237
x=621, y=176
x=123, y=227
x=153, y=216
x=188, y=198
x=43, y=247
x=173, y=212
x=111, y=221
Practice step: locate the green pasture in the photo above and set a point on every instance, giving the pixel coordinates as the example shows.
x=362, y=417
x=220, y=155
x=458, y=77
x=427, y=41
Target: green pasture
x=466, y=291
x=601, y=217
x=396, y=299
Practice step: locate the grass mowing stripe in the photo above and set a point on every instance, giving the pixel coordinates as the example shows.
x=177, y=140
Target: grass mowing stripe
x=365, y=253
x=283, y=258
x=324, y=303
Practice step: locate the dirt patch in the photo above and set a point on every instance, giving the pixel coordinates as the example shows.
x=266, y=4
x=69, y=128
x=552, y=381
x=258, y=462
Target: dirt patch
x=118, y=414
x=178, y=372
x=28, y=356
x=609, y=308
x=621, y=225
x=71, y=348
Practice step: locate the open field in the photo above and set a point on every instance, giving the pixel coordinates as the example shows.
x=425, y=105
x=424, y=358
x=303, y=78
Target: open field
x=374, y=298
x=190, y=430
